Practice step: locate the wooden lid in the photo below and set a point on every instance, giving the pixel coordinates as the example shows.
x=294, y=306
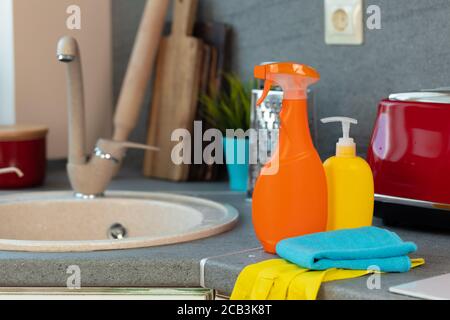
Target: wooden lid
x=22, y=132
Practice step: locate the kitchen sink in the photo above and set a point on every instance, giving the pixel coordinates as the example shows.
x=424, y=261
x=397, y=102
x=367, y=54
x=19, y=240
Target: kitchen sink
x=59, y=222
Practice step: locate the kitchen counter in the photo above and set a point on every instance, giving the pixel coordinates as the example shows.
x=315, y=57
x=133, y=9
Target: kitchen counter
x=213, y=262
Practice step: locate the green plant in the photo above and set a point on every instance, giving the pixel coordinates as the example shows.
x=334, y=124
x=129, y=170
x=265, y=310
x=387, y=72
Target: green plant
x=228, y=108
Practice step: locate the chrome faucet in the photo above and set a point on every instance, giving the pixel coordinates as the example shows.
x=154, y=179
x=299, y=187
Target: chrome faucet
x=89, y=176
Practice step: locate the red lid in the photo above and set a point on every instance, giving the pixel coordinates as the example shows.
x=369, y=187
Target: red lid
x=22, y=132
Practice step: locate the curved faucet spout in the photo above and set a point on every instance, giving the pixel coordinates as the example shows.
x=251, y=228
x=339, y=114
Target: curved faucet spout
x=68, y=53
x=88, y=178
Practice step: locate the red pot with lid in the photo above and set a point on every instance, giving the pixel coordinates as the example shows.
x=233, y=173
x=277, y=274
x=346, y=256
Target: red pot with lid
x=23, y=149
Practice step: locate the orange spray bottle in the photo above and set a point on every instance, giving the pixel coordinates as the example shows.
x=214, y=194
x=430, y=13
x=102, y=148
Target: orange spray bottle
x=290, y=196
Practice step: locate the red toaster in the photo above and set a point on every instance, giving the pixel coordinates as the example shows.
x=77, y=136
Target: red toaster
x=409, y=151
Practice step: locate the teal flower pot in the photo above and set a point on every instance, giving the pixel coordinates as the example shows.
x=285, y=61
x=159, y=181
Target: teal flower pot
x=237, y=157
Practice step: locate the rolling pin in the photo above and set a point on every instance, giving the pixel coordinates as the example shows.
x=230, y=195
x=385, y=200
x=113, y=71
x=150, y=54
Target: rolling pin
x=140, y=68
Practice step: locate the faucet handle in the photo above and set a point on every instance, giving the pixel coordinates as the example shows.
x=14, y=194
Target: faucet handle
x=115, y=150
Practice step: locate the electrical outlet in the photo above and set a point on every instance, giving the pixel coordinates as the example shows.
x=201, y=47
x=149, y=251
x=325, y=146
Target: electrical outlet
x=344, y=22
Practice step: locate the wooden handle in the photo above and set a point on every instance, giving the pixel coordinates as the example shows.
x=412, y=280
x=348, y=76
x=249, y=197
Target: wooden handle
x=183, y=17
x=140, y=68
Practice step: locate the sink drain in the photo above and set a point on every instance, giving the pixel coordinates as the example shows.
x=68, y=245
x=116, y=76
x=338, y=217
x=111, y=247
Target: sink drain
x=117, y=232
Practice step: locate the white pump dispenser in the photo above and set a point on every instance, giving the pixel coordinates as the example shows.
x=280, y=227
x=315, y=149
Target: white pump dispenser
x=346, y=146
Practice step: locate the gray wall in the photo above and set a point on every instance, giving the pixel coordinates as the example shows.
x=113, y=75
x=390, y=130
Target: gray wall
x=411, y=51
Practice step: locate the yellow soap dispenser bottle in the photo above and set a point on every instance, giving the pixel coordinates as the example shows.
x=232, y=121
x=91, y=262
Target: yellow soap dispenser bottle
x=350, y=183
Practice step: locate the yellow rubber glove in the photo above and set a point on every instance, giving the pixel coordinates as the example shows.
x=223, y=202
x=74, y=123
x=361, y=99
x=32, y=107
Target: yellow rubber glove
x=283, y=282
x=246, y=280
x=417, y=262
x=271, y=281
x=306, y=286
x=280, y=280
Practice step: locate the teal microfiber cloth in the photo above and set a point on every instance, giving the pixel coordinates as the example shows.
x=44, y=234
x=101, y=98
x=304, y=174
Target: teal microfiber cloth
x=355, y=249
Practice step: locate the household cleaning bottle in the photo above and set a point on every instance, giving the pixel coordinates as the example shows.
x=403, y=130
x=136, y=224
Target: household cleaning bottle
x=290, y=196
x=350, y=183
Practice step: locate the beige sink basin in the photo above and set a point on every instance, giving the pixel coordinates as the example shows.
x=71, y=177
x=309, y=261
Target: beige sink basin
x=58, y=222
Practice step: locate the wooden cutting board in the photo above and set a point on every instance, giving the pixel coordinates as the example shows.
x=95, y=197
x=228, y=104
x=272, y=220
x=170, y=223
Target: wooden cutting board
x=175, y=93
x=196, y=169
x=216, y=35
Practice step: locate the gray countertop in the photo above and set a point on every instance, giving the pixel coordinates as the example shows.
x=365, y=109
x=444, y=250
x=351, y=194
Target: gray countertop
x=213, y=262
